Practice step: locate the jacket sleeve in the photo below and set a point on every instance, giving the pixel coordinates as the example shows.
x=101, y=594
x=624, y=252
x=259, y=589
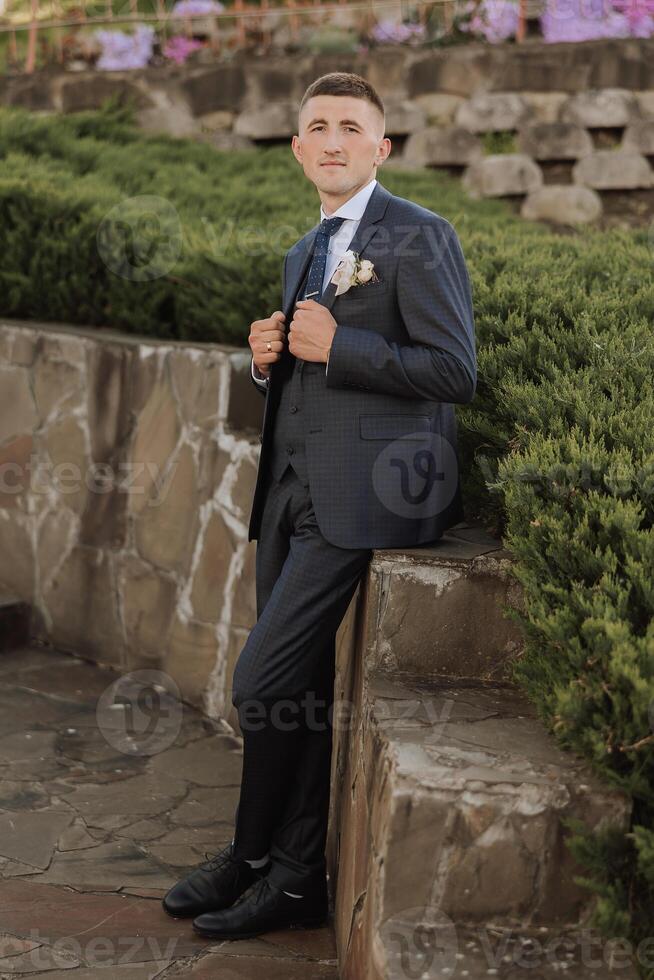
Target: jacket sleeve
x=435, y=302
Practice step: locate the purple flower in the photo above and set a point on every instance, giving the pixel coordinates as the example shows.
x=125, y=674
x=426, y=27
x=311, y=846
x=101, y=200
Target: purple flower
x=639, y=14
x=188, y=7
x=588, y=20
x=397, y=33
x=179, y=47
x=494, y=20
x=122, y=51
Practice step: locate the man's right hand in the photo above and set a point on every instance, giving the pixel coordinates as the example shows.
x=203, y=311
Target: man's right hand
x=263, y=332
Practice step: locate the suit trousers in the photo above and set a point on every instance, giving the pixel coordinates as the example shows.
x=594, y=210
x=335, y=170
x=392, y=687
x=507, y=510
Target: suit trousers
x=283, y=686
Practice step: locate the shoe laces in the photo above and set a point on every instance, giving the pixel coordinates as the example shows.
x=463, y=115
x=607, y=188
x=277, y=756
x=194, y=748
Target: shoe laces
x=216, y=861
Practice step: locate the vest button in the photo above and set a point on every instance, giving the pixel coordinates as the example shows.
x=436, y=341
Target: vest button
x=293, y=408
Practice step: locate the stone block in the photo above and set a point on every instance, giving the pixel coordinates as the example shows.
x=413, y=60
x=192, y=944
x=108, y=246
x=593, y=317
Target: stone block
x=613, y=170
x=276, y=121
x=148, y=602
x=191, y=654
x=165, y=530
x=82, y=608
x=464, y=803
x=459, y=72
x=457, y=590
x=639, y=137
x=439, y=107
x=600, y=108
x=562, y=204
x=403, y=118
x=211, y=573
x=219, y=87
x=18, y=413
x=155, y=438
x=646, y=103
x=442, y=147
x=89, y=90
x=555, y=141
x=545, y=106
x=493, y=112
x=502, y=175
x=34, y=92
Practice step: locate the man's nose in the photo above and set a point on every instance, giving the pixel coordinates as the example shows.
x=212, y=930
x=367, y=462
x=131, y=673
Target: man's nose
x=332, y=142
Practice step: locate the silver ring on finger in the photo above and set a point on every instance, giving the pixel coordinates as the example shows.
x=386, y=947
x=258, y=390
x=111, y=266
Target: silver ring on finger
x=268, y=346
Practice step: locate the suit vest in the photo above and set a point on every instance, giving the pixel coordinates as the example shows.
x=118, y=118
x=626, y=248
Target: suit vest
x=301, y=382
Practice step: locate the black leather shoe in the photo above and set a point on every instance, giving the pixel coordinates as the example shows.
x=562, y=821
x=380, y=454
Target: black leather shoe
x=262, y=908
x=213, y=885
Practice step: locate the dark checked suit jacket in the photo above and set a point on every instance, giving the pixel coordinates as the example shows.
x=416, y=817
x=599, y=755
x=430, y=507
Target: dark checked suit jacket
x=380, y=426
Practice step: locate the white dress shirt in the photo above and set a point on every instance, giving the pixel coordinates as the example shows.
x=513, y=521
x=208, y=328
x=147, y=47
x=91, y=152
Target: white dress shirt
x=339, y=243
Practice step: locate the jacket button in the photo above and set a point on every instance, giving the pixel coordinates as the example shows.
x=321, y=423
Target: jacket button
x=290, y=450
x=293, y=408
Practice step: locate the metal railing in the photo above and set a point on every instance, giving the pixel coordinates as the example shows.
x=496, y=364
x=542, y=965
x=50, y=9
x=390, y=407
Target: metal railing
x=39, y=20
x=46, y=22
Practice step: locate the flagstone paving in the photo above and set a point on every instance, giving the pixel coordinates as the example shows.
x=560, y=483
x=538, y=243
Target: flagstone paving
x=93, y=831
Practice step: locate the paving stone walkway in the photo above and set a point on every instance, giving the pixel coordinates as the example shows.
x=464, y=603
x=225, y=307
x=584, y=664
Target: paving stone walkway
x=99, y=816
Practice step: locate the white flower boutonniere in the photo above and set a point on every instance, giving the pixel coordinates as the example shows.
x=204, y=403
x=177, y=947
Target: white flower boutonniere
x=353, y=271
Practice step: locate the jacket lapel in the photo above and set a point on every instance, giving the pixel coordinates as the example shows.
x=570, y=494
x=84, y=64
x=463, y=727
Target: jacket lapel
x=368, y=226
x=297, y=265
x=300, y=254
x=298, y=258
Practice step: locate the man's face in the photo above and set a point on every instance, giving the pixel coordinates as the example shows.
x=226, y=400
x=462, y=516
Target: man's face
x=340, y=144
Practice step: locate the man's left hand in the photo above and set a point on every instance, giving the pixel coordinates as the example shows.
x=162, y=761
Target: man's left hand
x=311, y=331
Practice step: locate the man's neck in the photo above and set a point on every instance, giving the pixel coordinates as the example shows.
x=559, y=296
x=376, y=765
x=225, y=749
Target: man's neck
x=330, y=203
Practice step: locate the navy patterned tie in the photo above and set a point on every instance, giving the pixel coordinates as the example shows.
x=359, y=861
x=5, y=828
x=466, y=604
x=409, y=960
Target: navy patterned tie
x=328, y=226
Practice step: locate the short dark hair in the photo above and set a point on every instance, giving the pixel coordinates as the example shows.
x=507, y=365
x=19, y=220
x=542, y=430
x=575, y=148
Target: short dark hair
x=343, y=83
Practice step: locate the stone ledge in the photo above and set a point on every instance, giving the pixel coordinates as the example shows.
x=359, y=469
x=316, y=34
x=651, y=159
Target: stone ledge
x=438, y=610
x=448, y=794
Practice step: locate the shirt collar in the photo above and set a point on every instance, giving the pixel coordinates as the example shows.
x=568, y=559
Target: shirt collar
x=356, y=205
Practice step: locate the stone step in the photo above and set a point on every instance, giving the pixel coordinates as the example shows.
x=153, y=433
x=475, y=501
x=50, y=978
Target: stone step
x=14, y=622
x=440, y=609
x=453, y=812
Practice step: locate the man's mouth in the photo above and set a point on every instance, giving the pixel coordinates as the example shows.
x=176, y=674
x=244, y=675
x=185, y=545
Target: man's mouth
x=332, y=164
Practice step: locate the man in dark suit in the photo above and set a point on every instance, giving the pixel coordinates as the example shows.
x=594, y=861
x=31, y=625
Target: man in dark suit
x=360, y=371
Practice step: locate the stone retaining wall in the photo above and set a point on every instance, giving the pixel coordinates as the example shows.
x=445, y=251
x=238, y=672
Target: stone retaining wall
x=580, y=116
x=154, y=571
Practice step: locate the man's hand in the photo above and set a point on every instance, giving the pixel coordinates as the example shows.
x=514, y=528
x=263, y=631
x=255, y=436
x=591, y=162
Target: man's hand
x=311, y=331
x=263, y=332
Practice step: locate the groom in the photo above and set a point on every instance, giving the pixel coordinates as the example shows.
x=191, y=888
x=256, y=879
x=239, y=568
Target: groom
x=360, y=371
